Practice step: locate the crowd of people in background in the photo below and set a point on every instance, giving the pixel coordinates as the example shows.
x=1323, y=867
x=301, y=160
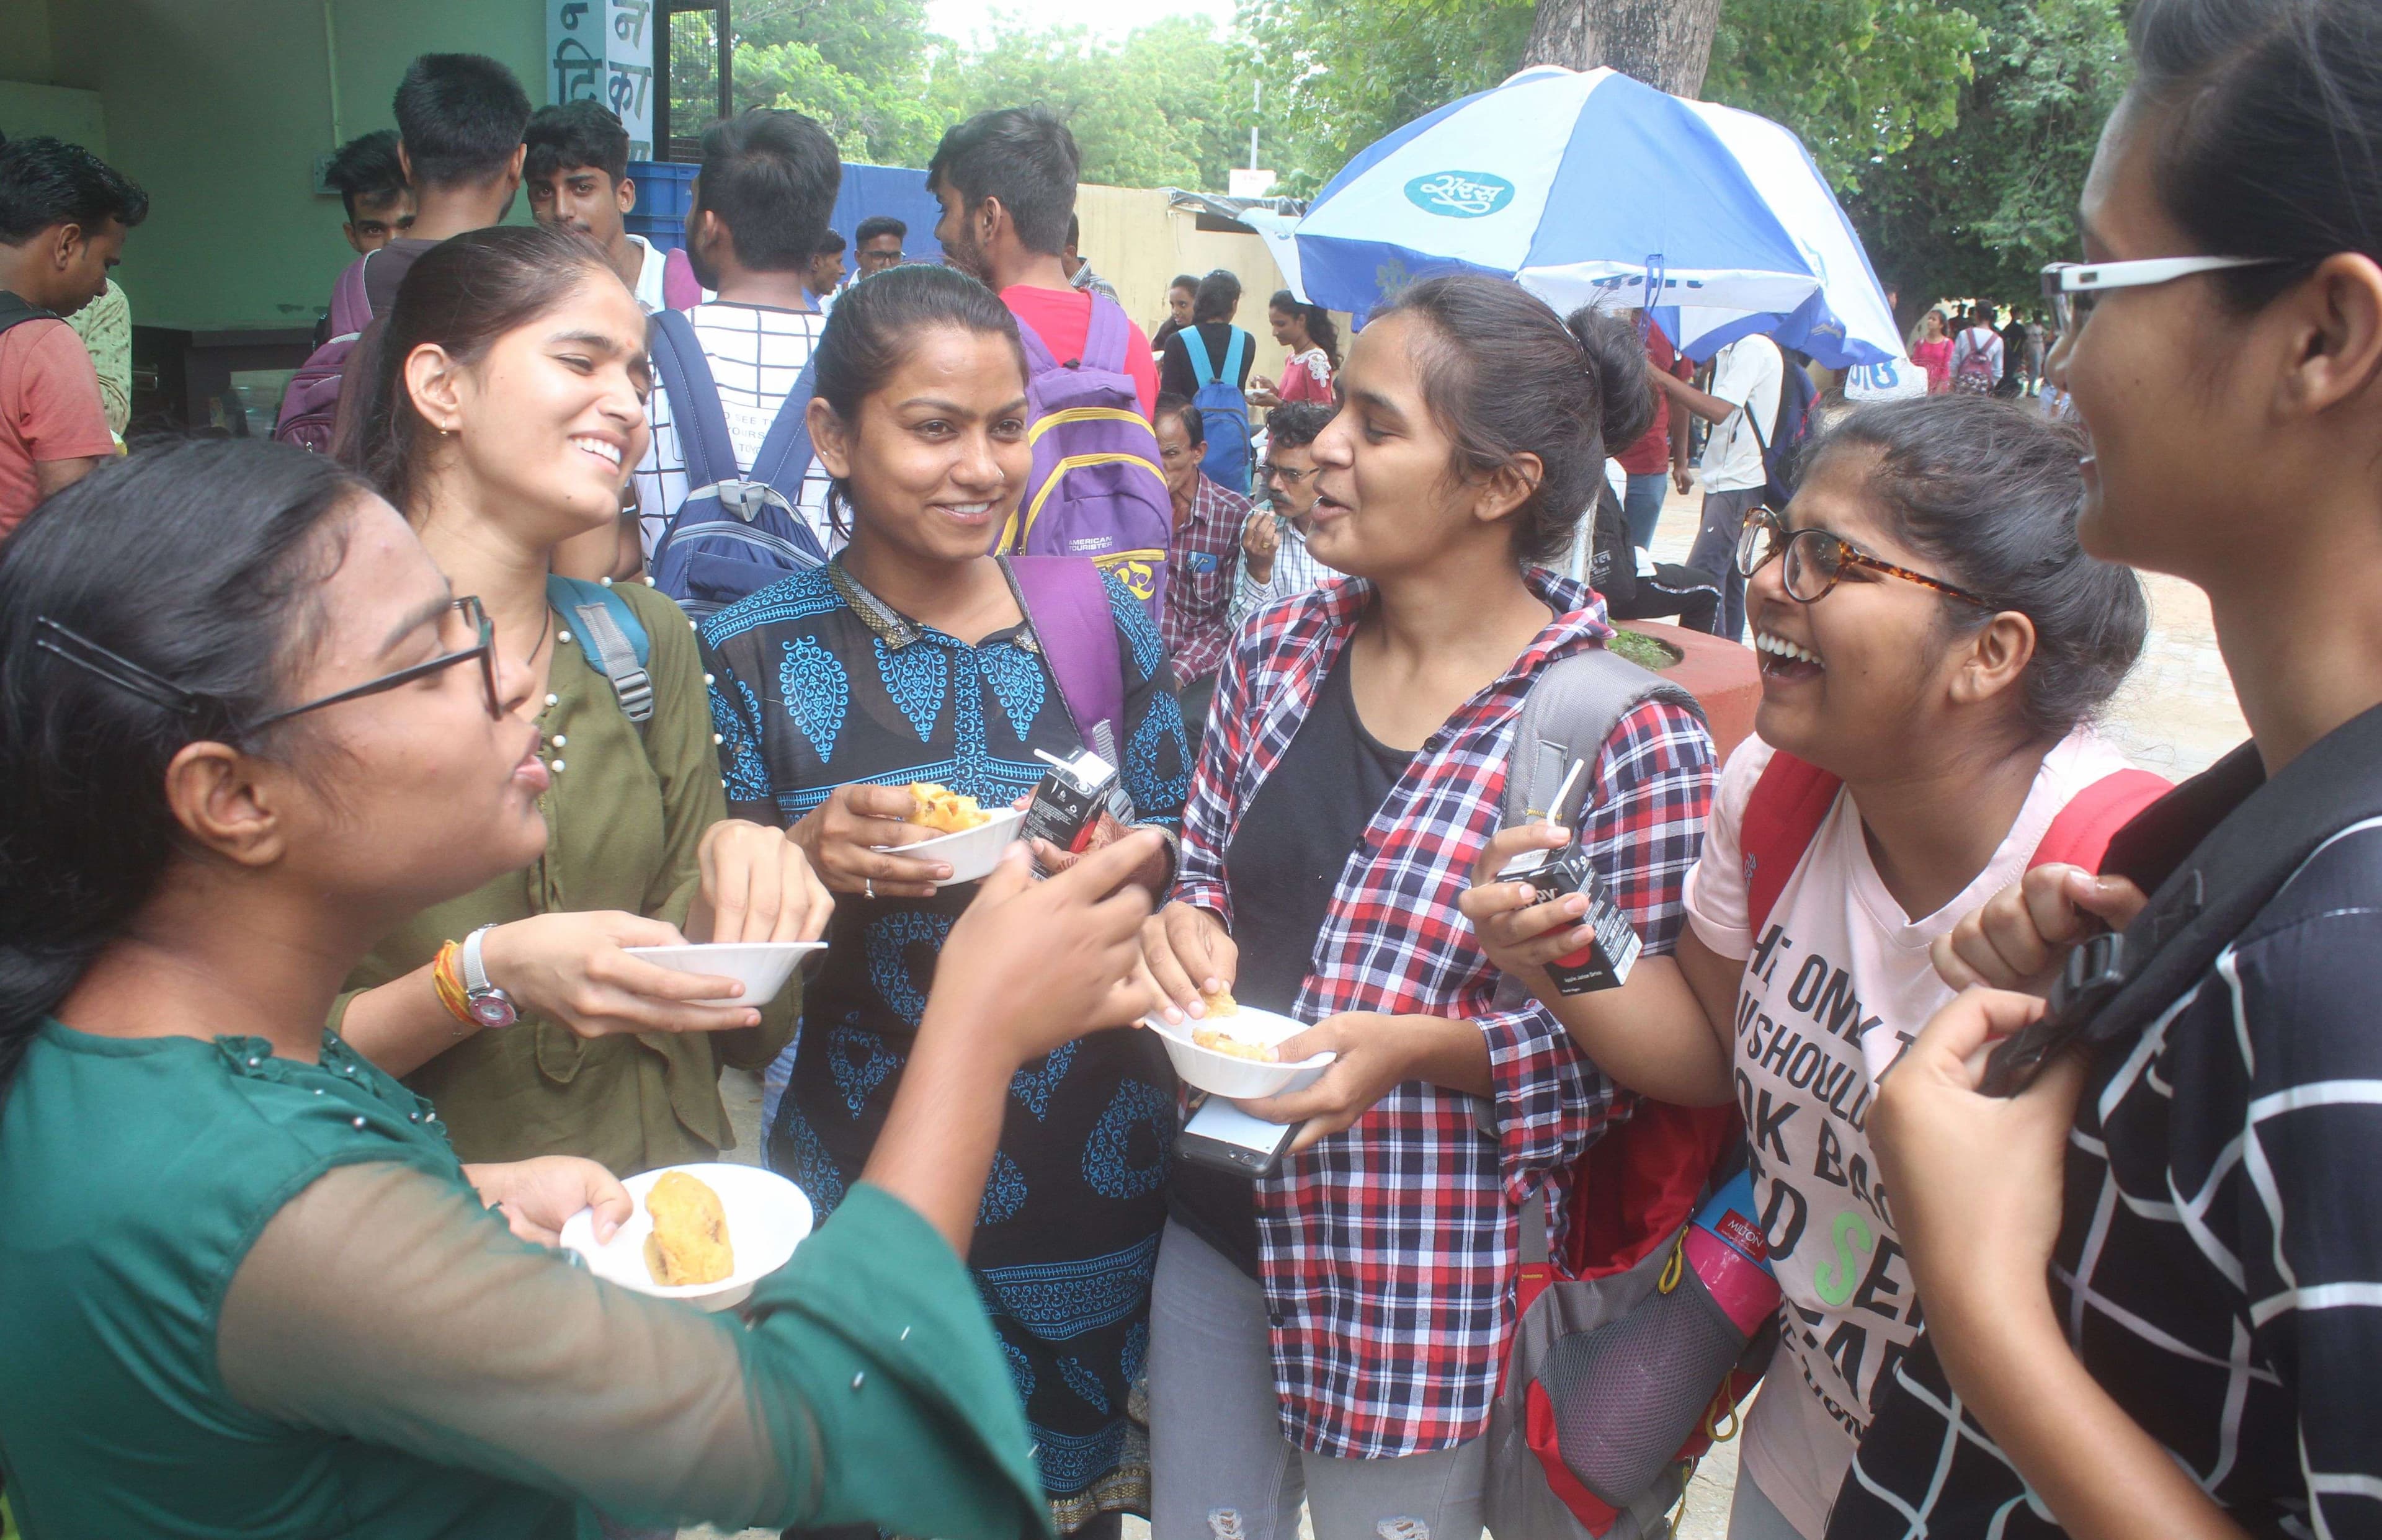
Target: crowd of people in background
x=607, y=596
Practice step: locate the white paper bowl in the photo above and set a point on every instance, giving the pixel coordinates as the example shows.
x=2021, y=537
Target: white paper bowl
x=971, y=853
x=767, y=1216
x=761, y=967
x=1240, y=1079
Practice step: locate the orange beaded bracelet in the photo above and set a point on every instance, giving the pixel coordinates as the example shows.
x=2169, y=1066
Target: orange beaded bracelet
x=447, y=977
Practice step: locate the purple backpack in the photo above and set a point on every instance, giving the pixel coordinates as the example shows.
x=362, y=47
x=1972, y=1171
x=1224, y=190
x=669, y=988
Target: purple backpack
x=1095, y=490
x=310, y=407
x=1067, y=605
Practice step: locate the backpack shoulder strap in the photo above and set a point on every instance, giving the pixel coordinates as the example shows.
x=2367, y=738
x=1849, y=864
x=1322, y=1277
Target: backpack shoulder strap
x=1194, y=347
x=1107, y=335
x=14, y=310
x=2080, y=835
x=1233, y=353
x=616, y=639
x=1040, y=359
x=785, y=454
x=1067, y=605
x=694, y=397
x=1787, y=805
x=1569, y=712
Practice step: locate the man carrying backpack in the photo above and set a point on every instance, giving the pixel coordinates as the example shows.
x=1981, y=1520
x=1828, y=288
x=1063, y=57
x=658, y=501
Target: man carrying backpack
x=460, y=118
x=1748, y=378
x=1977, y=355
x=732, y=498
x=1006, y=181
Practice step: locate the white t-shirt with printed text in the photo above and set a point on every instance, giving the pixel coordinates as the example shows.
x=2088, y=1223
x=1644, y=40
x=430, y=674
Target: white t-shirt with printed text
x=1838, y=982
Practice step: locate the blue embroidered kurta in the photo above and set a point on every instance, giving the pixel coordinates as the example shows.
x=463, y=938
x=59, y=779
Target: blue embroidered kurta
x=815, y=683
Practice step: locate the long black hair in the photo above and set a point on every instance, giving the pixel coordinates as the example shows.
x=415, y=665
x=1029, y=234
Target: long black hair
x=1320, y=330
x=2270, y=144
x=192, y=565
x=1989, y=491
x=1504, y=376
x=462, y=294
x=869, y=334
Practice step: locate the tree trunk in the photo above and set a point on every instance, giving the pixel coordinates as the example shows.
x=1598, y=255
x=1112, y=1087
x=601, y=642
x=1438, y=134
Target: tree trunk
x=1665, y=44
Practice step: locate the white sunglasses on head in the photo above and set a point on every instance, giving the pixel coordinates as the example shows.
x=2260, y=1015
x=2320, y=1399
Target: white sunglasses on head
x=2065, y=282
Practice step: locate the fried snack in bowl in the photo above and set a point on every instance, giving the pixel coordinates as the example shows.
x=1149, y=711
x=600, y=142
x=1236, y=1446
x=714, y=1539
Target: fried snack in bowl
x=690, y=1243
x=1220, y=1002
x=1216, y=1040
x=940, y=808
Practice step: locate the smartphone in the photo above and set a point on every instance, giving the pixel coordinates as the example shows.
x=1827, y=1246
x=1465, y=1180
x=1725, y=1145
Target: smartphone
x=1221, y=1135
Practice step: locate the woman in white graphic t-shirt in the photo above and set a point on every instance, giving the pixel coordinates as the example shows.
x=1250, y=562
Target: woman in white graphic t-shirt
x=1931, y=639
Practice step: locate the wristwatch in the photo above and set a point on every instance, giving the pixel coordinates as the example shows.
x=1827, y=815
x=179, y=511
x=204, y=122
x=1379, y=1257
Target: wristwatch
x=489, y=1006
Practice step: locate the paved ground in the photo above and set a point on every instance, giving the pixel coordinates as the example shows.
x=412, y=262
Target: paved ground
x=2175, y=715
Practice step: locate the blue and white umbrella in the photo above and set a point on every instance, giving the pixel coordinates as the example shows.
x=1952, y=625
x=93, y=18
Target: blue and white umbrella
x=1593, y=188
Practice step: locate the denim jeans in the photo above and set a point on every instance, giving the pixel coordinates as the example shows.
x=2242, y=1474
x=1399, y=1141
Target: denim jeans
x=1641, y=506
x=1715, y=554
x=1220, y=1467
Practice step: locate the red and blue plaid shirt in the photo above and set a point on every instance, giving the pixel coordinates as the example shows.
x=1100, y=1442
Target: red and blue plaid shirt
x=1202, y=562
x=1389, y=1250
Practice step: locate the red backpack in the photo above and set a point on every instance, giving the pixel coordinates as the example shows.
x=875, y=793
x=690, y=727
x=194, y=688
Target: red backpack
x=1637, y=1187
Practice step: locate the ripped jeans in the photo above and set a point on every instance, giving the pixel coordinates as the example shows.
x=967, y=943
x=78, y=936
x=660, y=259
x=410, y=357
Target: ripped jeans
x=1220, y=1467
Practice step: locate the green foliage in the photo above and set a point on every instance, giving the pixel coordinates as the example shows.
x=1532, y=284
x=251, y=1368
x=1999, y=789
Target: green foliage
x=1857, y=78
x=1339, y=74
x=1978, y=210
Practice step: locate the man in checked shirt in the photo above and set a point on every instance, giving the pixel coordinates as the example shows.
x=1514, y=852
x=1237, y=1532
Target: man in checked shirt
x=1202, y=557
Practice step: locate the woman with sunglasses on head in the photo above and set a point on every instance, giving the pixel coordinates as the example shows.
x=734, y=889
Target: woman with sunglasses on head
x=912, y=657
x=1933, y=646
x=247, y=728
x=509, y=407
x=2154, y=1276
x=1335, y=1331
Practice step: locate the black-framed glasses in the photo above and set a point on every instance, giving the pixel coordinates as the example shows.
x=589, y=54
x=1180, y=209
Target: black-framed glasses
x=1816, y=558
x=1268, y=471
x=485, y=649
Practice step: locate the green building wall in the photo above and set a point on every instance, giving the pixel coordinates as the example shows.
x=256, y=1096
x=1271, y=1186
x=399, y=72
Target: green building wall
x=219, y=109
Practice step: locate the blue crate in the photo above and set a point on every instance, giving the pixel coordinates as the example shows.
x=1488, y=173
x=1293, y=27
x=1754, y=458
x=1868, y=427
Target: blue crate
x=664, y=188
x=666, y=235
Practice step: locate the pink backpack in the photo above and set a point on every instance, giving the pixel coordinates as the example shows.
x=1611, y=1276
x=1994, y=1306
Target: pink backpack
x=310, y=407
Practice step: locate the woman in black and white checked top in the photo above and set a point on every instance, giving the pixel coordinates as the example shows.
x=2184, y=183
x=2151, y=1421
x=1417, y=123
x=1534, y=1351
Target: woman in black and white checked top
x=2152, y=1282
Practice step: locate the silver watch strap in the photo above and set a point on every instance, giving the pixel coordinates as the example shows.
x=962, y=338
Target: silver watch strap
x=476, y=977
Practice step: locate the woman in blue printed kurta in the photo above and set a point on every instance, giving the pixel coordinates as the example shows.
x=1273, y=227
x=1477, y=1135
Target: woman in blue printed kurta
x=823, y=694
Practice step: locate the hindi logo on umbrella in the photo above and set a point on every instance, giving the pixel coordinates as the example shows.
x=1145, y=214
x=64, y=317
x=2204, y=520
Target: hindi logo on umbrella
x=1460, y=194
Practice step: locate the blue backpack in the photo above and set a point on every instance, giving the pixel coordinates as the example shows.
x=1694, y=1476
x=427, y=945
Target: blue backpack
x=611, y=638
x=735, y=535
x=1224, y=413
x=1784, y=446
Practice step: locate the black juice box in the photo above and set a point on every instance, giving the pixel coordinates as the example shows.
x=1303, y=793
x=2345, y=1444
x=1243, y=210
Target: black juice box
x=1073, y=805
x=1605, y=962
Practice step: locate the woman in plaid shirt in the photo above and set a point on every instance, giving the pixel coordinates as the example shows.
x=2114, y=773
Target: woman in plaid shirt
x=1335, y=1335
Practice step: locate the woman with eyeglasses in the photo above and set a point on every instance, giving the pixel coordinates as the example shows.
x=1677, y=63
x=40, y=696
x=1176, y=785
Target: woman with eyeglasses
x=507, y=410
x=1932, y=647
x=2153, y=1274
x=251, y=1288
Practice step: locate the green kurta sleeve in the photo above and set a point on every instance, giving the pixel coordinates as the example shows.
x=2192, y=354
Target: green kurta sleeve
x=862, y=1386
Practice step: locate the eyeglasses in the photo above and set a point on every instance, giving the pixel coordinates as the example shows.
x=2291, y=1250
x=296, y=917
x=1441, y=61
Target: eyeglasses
x=2070, y=286
x=485, y=650
x=1817, y=558
x=1268, y=472
x=73, y=647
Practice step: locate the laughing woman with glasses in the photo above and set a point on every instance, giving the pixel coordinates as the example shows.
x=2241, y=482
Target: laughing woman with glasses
x=509, y=399
x=1933, y=645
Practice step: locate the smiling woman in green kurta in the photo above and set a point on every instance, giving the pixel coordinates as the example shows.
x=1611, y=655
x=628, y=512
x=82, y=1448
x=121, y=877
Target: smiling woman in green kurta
x=268, y=1302
x=508, y=408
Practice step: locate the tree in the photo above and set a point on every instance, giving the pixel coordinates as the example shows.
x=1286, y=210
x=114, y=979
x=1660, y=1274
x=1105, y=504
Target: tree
x=1665, y=44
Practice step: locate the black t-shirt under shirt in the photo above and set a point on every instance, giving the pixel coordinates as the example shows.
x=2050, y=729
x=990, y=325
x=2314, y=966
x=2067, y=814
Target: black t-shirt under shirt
x=1283, y=864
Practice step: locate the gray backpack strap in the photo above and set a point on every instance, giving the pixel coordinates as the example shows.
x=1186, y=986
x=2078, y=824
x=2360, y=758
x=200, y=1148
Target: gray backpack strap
x=1572, y=708
x=613, y=647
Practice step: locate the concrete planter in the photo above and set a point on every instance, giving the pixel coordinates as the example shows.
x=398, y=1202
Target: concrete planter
x=1724, y=677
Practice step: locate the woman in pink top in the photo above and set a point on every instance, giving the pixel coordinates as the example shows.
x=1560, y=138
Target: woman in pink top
x=1314, y=342
x=1932, y=352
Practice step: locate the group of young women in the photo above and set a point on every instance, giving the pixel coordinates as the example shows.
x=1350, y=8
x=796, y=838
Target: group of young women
x=285, y=745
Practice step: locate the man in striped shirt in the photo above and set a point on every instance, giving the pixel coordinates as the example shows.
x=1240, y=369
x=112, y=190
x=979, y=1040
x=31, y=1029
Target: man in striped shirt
x=1274, y=560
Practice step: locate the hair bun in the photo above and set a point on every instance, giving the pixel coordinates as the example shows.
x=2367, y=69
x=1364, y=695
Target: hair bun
x=1616, y=358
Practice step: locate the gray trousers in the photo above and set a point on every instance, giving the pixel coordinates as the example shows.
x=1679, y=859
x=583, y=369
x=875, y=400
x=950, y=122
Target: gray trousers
x=1220, y=1467
x=1715, y=554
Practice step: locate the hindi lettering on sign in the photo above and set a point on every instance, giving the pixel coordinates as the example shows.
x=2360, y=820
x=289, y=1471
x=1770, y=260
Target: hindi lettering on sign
x=627, y=88
x=628, y=21
x=570, y=12
x=575, y=70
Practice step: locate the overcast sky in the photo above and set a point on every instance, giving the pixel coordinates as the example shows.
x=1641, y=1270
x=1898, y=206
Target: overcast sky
x=1111, y=19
